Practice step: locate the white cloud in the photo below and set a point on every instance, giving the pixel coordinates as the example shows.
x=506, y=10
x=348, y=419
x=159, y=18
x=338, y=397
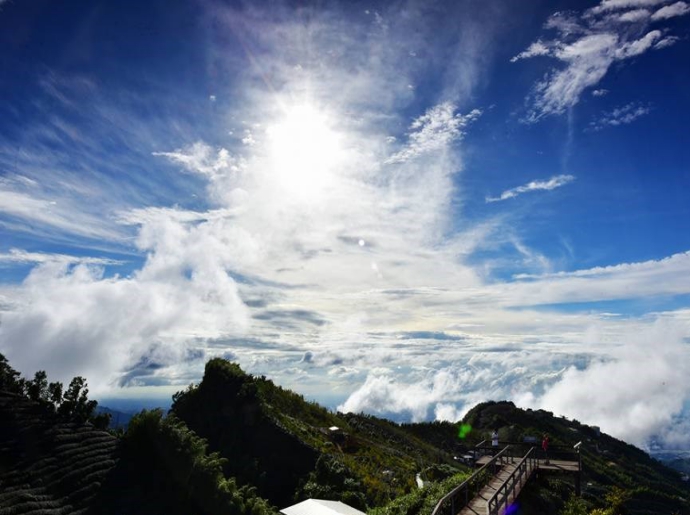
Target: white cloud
x=216, y=164
x=600, y=92
x=587, y=45
x=535, y=49
x=551, y=184
x=72, y=319
x=61, y=215
x=22, y=256
x=616, y=5
x=141, y=216
x=264, y=262
x=639, y=46
x=433, y=131
x=620, y=116
x=619, y=374
x=384, y=395
x=666, y=42
x=294, y=255
x=636, y=394
x=671, y=11
x=637, y=15
x=623, y=281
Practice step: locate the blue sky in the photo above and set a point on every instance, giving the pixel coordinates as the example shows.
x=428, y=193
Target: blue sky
x=402, y=208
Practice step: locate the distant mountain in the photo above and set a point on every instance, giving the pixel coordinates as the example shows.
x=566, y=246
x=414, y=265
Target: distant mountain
x=238, y=444
x=679, y=461
x=118, y=419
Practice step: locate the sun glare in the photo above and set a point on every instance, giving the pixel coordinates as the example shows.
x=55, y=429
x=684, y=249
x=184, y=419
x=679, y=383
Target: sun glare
x=304, y=151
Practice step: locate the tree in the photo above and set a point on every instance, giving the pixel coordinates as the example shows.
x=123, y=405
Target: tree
x=10, y=379
x=76, y=405
x=55, y=393
x=38, y=388
x=101, y=421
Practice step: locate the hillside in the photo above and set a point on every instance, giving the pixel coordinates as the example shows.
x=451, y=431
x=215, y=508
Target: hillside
x=285, y=446
x=46, y=465
x=607, y=462
x=240, y=445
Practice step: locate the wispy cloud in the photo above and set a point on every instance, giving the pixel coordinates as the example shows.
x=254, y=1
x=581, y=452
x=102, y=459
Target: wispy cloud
x=587, y=44
x=351, y=274
x=551, y=184
x=617, y=5
x=64, y=182
x=21, y=256
x=620, y=116
x=434, y=130
x=671, y=11
x=57, y=215
x=251, y=244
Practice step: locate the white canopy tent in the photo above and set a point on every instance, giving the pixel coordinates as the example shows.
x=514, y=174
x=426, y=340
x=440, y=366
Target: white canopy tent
x=320, y=507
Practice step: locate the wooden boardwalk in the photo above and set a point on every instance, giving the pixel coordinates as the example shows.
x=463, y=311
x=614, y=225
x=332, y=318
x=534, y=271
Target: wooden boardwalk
x=480, y=504
x=506, y=489
x=509, y=469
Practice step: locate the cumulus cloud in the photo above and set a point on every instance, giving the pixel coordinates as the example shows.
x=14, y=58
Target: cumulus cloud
x=637, y=392
x=587, y=44
x=384, y=395
x=631, y=380
x=72, y=319
x=551, y=184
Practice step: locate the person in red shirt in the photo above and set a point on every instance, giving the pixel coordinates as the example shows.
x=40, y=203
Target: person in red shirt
x=545, y=447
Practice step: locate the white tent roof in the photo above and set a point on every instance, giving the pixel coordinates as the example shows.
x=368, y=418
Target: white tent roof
x=320, y=507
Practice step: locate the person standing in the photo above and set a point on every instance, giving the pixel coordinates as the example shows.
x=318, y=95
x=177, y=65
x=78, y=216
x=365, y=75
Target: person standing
x=494, y=440
x=545, y=447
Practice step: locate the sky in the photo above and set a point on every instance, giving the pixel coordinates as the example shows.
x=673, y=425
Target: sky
x=402, y=208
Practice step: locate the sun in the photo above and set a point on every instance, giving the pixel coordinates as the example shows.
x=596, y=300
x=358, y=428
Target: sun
x=305, y=151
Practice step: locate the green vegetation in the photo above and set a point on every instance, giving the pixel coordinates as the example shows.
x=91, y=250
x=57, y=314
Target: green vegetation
x=422, y=500
x=241, y=445
x=175, y=473
x=280, y=443
x=609, y=465
x=332, y=480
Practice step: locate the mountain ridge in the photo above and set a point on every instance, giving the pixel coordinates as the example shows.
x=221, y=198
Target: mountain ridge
x=239, y=444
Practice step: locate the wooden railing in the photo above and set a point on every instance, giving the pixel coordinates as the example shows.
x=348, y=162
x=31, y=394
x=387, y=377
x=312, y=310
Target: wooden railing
x=519, y=449
x=460, y=496
x=514, y=482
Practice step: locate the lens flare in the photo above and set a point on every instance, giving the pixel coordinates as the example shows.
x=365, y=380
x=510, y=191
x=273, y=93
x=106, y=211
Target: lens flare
x=464, y=430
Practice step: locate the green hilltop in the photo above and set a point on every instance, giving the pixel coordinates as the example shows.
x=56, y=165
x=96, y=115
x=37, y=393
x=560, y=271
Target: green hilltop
x=239, y=444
